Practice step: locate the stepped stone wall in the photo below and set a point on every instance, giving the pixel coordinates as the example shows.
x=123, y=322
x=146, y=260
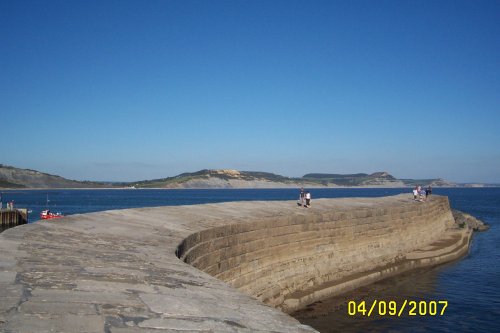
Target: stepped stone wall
x=276, y=257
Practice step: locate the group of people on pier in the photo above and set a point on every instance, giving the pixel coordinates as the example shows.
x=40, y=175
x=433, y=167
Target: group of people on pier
x=420, y=194
x=9, y=205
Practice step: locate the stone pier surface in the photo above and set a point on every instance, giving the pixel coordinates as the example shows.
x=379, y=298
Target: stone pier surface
x=226, y=267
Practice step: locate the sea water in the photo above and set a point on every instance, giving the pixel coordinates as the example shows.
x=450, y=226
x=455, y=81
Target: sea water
x=471, y=285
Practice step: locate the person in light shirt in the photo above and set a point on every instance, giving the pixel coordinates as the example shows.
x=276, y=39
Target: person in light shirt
x=308, y=199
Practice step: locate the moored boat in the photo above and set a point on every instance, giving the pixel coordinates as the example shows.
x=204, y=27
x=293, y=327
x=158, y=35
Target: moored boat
x=47, y=214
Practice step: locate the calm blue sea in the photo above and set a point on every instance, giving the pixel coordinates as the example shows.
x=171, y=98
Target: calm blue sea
x=471, y=285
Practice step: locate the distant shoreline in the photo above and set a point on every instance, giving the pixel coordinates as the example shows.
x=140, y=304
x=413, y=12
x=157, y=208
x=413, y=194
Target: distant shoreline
x=16, y=178
x=229, y=188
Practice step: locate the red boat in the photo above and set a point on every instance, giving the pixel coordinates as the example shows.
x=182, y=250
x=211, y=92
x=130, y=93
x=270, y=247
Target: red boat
x=47, y=214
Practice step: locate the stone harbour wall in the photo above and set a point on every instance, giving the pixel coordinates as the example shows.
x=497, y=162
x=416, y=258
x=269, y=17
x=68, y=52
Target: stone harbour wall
x=276, y=257
x=226, y=267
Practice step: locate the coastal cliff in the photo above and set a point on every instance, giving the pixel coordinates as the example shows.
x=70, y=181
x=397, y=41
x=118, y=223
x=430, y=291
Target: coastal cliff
x=228, y=178
x=11, y=177
x=119, y=271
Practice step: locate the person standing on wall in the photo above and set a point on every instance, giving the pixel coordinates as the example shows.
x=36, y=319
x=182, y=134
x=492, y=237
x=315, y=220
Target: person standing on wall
x=308, y=199
x=428, y=191
x=301, y=197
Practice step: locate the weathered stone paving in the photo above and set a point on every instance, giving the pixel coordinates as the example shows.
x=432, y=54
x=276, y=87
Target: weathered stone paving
x=117, y=271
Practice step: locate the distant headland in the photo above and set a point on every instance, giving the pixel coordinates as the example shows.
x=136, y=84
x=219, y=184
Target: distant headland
x=12, y=177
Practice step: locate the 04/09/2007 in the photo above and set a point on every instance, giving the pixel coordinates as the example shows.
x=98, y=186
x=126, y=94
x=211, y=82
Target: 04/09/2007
x=393, y=308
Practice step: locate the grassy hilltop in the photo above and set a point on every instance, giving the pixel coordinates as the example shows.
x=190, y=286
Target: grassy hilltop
x=11, y=177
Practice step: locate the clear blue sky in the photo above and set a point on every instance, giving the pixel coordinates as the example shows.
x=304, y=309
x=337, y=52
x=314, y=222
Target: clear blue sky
x=132, y=90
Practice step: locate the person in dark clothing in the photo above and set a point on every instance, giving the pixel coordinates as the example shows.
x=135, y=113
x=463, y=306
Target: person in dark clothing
x=302, y=195
x=428, y=191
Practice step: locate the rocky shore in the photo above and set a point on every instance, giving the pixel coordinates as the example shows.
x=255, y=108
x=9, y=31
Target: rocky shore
x=466, y=220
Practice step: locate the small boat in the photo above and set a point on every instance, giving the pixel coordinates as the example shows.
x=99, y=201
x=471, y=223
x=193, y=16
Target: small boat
x=47, y=214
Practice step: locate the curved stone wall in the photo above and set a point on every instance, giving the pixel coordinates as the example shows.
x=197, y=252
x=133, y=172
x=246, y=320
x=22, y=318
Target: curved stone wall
x=116, y=271
x=277, y=257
